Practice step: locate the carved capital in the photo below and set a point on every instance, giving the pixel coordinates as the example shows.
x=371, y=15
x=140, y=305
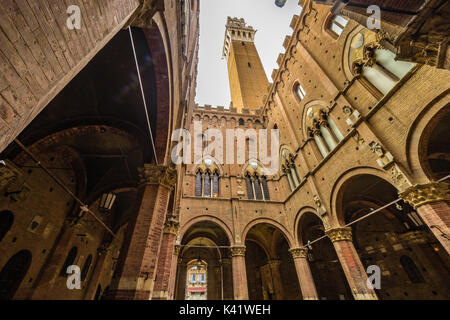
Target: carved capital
x=299, y=252
x=159, y=175
x=340, y=234
x=171, y=226
x=237, y=251
x=421, y=194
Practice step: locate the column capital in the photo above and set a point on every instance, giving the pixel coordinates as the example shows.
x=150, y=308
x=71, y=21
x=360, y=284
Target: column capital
x=152, y=174
x=340, y=234
x=171, y=226
x=299, y=252
x=237, y=251
x=420, y=194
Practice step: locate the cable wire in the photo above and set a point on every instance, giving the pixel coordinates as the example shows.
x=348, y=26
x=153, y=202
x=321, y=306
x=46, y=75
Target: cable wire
x=143, y=94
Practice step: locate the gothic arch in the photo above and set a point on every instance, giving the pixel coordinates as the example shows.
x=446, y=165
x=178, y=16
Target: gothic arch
x=336, y=214
x=417, y=132
x=287, y=235
x=206, y=218
x=312, y=103
x=158, y=39
x=297, y=220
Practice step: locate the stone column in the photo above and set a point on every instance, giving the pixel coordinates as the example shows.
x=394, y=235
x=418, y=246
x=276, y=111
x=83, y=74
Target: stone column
x=305, y=278
x=276, y=279
x=227, y=279
x=166, y=260
x=136, y=270
x=351, y=264
x=239, y=273
x=431, y=201
x=173, y=272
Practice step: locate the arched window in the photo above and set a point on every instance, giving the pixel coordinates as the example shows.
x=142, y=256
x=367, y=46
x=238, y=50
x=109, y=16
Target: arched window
x=13, y=273
x=207, y=184
x=257, y=187
x=337, y=24
x=249, y=185
x=323, y=130
x=300, y=92
x=207, y=180
x=375, y=65
x=86, y=267
x=71, y=256
x=198, y=184
x=411, y=270
x=241, y=122
x=6, y=222
x=215, y=184
x=290, y=169
x=265, y=188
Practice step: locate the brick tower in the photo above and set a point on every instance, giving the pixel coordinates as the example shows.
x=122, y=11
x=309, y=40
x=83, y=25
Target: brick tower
x=248, y=81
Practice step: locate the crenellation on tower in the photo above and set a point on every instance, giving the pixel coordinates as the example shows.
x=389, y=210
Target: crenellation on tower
x=236, y=29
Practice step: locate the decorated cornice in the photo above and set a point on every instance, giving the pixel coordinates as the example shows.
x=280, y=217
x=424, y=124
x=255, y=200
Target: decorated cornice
x=237, y=251
x=298, y=253
x=158, y=175
x=340, y=234
x=421, y=194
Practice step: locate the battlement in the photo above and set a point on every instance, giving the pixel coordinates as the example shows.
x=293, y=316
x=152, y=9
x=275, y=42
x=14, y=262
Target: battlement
x=227, y=111
x=236, y=29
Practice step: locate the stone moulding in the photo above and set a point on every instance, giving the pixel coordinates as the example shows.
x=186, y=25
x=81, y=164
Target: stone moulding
x=340, y=234
x=421, y=194
x=158, y=175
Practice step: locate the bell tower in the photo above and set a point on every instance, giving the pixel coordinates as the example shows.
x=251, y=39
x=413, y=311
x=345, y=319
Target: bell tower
x=248, y=81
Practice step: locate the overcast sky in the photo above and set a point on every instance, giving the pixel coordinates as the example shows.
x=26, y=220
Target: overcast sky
x=272, y=25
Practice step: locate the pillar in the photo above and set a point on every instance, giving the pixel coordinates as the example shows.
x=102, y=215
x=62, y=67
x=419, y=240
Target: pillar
x=431, y=201
x=227, y=279
x=306, y=281
x=351, y=264
x=239, y=273
x=164, y=271
x=136, y=269
x=173, y=272
x=274, y=266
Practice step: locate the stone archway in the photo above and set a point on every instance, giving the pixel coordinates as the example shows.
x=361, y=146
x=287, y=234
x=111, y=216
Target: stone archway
x=269, y=264
x=204, y=245
x=393, y=235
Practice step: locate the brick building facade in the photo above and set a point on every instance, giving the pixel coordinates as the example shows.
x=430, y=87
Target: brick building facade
x=87, y=178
